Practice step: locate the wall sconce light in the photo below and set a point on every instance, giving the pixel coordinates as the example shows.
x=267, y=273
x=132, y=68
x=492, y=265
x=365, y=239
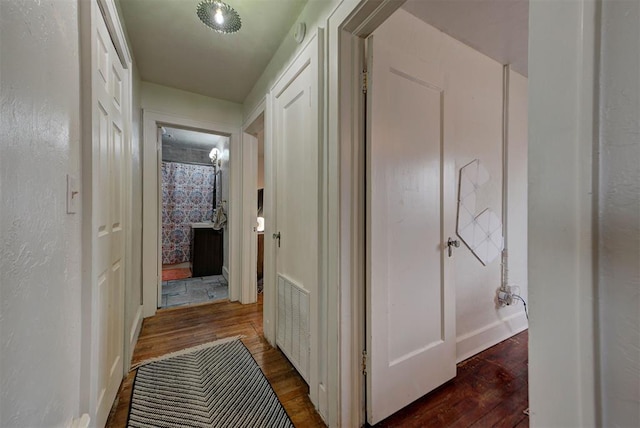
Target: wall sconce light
x=214, y=155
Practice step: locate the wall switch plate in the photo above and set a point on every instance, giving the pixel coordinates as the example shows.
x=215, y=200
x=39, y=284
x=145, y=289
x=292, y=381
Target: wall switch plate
x=73, y=194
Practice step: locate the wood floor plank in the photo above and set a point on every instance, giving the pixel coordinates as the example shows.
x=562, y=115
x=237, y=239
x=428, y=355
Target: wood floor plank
x=507, y=413
x=490, y=389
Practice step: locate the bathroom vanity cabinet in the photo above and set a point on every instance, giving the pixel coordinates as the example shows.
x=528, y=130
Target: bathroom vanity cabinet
x=206, y=251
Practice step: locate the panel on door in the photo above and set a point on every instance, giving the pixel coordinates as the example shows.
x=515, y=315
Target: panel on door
x=108, y=201
x=410, y=301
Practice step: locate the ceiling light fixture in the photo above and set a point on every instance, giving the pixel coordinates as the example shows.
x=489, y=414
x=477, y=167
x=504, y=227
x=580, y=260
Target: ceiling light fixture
x=219, y=16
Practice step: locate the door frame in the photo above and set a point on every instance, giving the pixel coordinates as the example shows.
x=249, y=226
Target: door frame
x=88, y=12
x=348, y=26
x=152, y=203
x=249, y=176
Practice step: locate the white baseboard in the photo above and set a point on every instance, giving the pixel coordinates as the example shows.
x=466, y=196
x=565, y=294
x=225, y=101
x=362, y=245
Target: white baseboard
x=323, y=402
x=483, y=338
x=136, y=326
x=225, y=273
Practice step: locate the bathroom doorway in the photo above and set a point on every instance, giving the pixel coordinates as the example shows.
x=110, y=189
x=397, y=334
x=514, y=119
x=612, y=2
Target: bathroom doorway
x=194, y=175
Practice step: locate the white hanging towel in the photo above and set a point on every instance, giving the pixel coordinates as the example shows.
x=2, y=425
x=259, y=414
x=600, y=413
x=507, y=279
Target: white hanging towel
x=219, y=218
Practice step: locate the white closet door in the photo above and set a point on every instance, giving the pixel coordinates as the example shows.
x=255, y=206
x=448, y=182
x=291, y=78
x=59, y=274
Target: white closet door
x=297, y=155
x=108, y=202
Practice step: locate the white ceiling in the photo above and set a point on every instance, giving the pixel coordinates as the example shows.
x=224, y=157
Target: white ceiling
x=497, y=28
x=172, y=47
x=191, y=139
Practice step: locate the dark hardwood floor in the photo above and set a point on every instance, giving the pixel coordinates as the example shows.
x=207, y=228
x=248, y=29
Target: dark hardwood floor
x=490, y=389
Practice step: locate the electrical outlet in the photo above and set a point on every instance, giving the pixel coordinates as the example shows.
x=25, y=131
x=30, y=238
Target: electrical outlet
x=505, y=296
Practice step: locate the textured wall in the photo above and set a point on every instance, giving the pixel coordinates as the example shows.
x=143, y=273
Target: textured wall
x=619, y=212
x=39, y=243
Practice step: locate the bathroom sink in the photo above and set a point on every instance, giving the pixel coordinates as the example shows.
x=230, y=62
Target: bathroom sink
x=202, y=225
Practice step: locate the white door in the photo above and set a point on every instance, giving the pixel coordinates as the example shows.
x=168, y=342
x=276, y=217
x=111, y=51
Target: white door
x=297, y=150
x=410, y=300
x=108, y=202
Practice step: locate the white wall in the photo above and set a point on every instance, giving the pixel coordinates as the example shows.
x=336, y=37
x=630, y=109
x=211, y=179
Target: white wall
x=473, y=85
x=517, y=214
x=40, y=245
x=561, y=208
x=189, y=105
x=260, y=137
x=198, y=108
x=619, y=214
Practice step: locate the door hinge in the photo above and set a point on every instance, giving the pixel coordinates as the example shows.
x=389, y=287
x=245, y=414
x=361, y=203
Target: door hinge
x=365, y=81
x=364, y=362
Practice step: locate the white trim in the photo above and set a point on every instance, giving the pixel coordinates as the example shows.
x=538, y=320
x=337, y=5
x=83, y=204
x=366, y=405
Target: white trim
x=134, y=333
x=151, y=279
x=484, y=338
x=285, y=76
x=225, y=273
x=269, y=312
x=111, y=18
x=563, y=292
x=249, y=293
x=347, y=25
x=255, y=113
x=249, y=235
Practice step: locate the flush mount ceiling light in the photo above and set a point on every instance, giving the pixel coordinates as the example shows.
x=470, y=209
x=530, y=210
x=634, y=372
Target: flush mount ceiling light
x=219, y=16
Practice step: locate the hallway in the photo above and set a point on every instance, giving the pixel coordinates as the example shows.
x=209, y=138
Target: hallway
x=174, y=329
x=489, y=390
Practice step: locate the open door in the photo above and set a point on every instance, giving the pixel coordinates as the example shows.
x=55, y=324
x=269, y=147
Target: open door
x=411, y=346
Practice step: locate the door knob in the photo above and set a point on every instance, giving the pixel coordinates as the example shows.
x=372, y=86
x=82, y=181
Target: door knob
x=452, y=243
x=277, y=236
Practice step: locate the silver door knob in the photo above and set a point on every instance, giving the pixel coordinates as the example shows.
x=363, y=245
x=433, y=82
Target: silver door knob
x=452, y=243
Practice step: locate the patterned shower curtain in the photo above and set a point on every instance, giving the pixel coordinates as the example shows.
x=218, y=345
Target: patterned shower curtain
x=187, y=197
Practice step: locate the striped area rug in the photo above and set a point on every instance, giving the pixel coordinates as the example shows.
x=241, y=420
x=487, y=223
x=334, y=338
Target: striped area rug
x=219, y=386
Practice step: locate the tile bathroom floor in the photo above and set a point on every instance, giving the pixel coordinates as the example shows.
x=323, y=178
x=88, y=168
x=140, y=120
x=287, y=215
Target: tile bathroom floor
x=194, y=290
